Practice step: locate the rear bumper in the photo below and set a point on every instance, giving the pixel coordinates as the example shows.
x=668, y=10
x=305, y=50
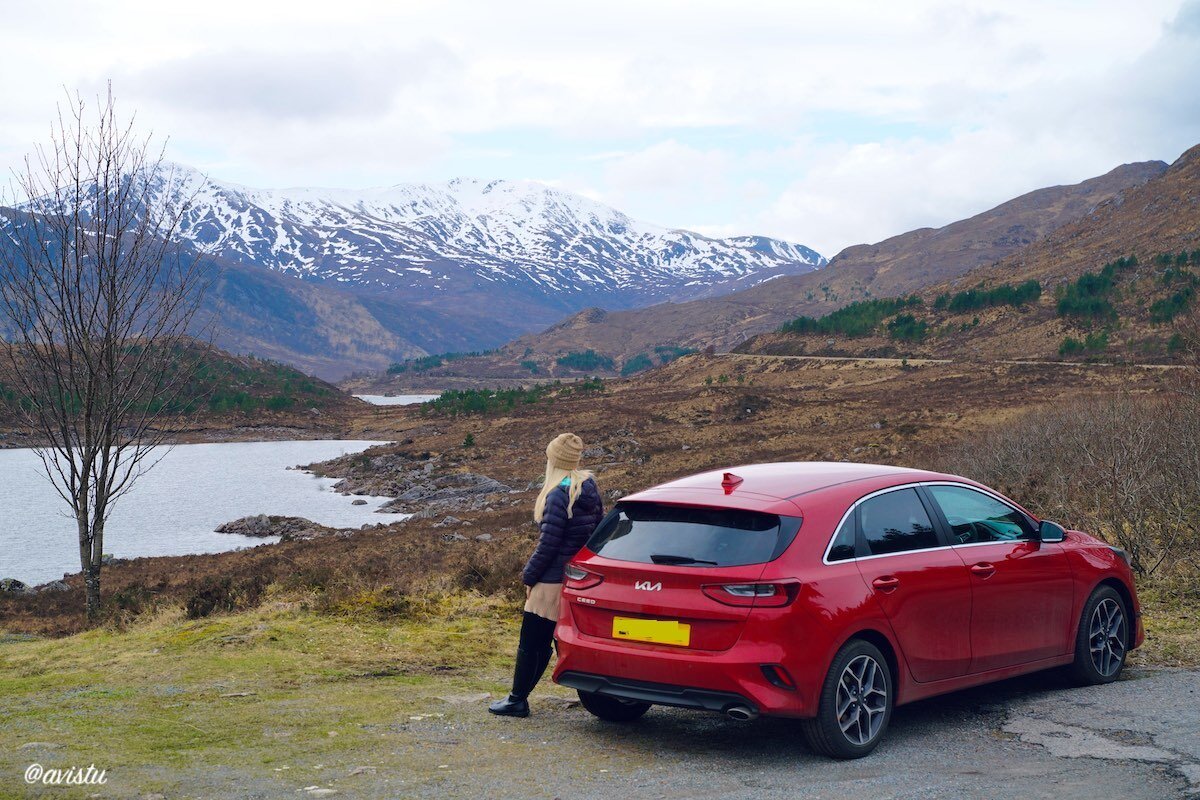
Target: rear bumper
x=711, y=680
x=657, y=693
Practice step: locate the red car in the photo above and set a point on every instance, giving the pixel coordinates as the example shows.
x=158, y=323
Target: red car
x=832, y=592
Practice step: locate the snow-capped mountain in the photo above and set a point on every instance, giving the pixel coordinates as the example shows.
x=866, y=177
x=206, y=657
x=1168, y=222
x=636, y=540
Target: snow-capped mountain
x=522, y=238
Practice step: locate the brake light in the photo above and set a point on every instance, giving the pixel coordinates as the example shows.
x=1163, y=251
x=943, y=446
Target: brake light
x=760, y=595
x=577, y=577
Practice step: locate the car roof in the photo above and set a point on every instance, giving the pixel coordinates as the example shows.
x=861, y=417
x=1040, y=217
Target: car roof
x=777, y=487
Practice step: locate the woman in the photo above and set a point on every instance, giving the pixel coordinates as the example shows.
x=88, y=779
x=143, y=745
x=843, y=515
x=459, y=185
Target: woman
x=568, y=509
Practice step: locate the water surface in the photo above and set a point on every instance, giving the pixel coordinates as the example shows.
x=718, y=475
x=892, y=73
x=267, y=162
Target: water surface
x=396, y=399
x=173, y=508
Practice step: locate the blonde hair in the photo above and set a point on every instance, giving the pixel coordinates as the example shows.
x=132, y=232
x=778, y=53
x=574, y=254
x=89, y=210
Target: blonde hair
x=554, y=476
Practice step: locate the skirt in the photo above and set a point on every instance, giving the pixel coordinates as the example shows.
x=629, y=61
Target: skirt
x=543, y=600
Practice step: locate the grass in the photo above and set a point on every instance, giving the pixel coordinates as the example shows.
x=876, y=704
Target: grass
x=1172, y=635
x=269, y=701
x=264, y=695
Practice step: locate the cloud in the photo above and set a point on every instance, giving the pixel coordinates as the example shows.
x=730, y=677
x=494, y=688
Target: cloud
x=827, y=123
x=290, y=85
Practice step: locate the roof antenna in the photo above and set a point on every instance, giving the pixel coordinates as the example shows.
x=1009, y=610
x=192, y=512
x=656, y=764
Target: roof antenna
x=730, y=482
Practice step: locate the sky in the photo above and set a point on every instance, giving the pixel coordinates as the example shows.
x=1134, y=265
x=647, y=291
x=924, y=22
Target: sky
x=827, y=124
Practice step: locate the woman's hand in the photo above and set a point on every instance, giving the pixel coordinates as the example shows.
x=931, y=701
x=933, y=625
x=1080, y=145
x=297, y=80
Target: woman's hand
x=528, y=591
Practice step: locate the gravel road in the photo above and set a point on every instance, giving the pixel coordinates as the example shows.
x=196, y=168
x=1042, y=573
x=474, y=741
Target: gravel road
x=1031, y=737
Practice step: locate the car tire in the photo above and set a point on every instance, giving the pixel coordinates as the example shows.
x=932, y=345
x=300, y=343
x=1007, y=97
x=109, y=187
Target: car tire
x=612, y=709
x=849, y=735
x=1102, y=640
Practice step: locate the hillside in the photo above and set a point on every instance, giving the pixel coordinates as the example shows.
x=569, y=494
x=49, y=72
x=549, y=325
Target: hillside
x=423, y=268
x=899, y=265
x=1114, y=285
x=230, y=398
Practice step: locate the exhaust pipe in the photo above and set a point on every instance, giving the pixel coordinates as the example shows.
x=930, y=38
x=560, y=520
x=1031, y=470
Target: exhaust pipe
x=741, y=713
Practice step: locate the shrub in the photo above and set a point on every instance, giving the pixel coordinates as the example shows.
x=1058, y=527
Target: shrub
x=586, y=361
x=531, y=366
x=857, y=319
x=1168, y=308
x=1092, y=343
x=426, y=363
x=1149, y=447
x=1004, y=294
x=455, y=402
x=224, y=594
x=908, y=328
x=668, y=353
x=638, y=363
x=1086, y=300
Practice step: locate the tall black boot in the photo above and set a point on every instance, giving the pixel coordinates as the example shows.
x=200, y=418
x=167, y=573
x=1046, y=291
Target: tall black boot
x=533, y=656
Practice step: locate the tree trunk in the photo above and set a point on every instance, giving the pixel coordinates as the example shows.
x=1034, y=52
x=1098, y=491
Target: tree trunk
x=91, y=543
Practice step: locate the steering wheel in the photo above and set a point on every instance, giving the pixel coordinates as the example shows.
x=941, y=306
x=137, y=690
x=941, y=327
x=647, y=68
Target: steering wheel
x=963, y=529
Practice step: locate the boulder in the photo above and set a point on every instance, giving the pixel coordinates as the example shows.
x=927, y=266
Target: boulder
x=288, y=529
x=13, y=586
x=358, y=502
x=54, y=586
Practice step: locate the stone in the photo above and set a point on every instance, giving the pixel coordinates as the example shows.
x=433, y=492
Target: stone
x=358, y=502
x=13, y=586
x=54, y=586
x=483, y=537
x=288, y=529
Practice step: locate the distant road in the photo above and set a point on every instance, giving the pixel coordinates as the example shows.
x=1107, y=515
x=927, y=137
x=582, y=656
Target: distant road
x=917, y=362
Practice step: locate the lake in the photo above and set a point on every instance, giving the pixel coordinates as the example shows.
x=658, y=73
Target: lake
x=396, y=399
x=173, y=509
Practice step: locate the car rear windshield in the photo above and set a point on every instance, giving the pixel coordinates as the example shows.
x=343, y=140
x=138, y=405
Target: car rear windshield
x=687, y=536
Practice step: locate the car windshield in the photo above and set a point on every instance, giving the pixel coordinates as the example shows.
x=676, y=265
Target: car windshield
x=687, y=536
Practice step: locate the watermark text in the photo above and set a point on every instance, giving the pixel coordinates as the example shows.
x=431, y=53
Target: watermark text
x=71, y=776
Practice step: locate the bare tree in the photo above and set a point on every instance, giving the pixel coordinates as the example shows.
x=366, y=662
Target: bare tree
x=1123, y=466
x=97, y=298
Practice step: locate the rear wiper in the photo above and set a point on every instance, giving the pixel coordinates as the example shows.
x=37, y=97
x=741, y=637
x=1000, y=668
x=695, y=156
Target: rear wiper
x=660, y=558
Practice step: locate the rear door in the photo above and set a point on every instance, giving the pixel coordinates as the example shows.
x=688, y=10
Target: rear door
x=921, y=584
x=1022, y=588
x=657, y=561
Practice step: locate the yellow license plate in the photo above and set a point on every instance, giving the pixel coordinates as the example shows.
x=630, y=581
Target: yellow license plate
x=656, y=631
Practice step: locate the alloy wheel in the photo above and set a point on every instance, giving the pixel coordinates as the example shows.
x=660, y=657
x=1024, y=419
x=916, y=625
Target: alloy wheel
x=861, y=699
x=1106, y=635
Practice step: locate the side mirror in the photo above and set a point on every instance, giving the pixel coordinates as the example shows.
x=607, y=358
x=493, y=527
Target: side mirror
x=1051, y=532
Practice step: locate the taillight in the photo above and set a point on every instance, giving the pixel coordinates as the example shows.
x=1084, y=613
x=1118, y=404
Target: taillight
x=760, y=595
x=579, y=578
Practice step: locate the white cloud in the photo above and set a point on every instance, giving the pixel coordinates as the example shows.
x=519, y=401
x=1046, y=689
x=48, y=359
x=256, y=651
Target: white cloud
x=828, y=123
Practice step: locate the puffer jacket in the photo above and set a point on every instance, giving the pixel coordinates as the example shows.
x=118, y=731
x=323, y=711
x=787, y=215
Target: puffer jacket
x=561, y=537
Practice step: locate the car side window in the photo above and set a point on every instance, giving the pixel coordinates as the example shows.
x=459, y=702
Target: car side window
x=896, y=522
x=975, y=517
x=842, y=547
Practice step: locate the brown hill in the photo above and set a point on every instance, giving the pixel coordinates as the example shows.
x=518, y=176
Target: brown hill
x=899, y=265
x=229, y=398
x=1149, y=234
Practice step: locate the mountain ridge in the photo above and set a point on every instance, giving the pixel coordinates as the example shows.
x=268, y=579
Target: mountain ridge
x=894, y=266
x=419, y=240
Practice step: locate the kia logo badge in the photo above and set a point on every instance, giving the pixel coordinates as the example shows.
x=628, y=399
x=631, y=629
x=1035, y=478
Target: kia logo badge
x=647, y=586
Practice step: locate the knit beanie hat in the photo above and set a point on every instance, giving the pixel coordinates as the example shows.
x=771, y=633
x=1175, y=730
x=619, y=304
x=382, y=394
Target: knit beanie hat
x=565, y=451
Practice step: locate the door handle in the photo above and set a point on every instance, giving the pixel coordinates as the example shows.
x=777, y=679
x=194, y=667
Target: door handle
x=886, y=583
x=983, y=569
